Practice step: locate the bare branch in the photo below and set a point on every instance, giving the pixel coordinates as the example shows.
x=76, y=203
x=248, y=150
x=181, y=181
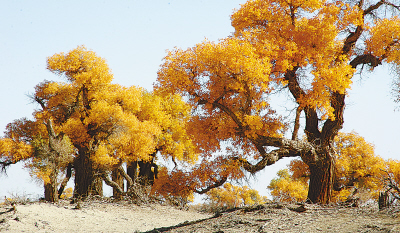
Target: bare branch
x=271, y=158
x=374, y=7
x=215, y=185
x=393, y=5
x=297, y=123
x=369, y=59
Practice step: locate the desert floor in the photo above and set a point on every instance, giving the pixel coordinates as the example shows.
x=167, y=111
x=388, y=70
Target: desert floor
x=100, y=216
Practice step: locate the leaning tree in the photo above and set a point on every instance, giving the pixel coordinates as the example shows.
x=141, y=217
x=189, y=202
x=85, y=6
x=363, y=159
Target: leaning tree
x=307, y=50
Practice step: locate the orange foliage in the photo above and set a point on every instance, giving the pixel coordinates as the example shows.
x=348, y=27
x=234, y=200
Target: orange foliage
x=230, y=67
x=175, y=184
x=179, y=183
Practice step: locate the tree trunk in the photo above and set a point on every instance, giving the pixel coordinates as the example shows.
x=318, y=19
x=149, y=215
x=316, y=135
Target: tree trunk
x=85, y=181
x=65, y=181
x=50, y=189
x=119, y=179
x=131, y=170
x=147, y=172
x=96, y=188
x=321, y=180
x=384, y=200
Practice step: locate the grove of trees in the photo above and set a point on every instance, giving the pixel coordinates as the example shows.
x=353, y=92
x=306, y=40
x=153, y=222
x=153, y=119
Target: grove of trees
x=94, y=126
x=214, y=111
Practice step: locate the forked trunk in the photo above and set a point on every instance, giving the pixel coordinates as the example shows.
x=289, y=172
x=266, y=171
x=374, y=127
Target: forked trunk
x=321, y=180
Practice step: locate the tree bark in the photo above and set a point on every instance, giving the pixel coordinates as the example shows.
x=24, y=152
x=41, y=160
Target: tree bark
x=50, y=192
x=119, y=180
x=96, y=188
x=85, y=181
x=321, y=180
x=384, y=200
x=131, y=170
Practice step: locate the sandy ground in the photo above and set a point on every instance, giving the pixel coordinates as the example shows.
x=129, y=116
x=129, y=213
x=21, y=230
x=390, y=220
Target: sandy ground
x=297, y=218
x=93, y=217
x=98, y=216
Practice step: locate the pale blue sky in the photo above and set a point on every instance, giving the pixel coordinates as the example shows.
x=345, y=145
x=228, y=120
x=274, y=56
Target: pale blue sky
x=133, y=36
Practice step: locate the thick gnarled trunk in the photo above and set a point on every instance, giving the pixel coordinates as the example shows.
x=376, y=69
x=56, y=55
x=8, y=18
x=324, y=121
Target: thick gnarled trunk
x=321, y=180
x=86, y=181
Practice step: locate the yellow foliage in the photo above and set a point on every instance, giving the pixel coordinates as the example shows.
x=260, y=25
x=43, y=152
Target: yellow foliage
x=172, y=115
x=227, y=73
x=356, y=160
x=67, y=193
x=81, y=67
x=284, y=188
x=96, y=114
x=14, y=151
x=384, y=40
x=231, y=196
x=394, y=169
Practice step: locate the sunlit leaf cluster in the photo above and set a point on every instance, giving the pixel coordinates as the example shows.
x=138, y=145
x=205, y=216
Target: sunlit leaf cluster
x=287, y=189
x=231, y=196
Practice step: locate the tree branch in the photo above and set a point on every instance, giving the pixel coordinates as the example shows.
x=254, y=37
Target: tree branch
x=369, y=59
x=65, y=180
x=332, y=127
x=297, y=92
x=126, y=176
x=231, y=114
x=271, y=158
x=296, y=123
x=4, y=165
x=351, y=40
x=374, y=7
x=111, y=183
x=215, y=185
